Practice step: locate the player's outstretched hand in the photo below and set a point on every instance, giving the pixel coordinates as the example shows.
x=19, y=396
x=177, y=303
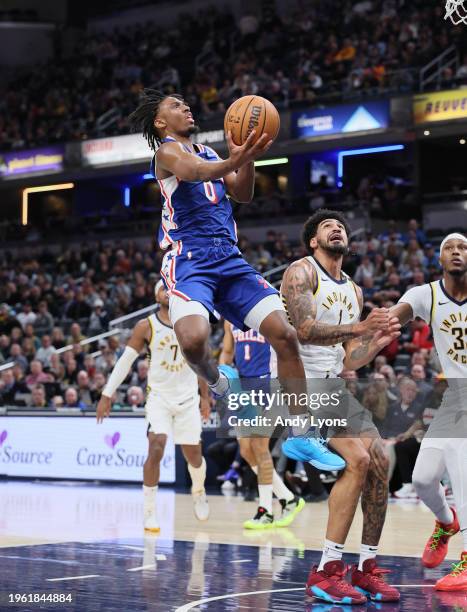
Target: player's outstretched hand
x=377, y=320
x=103, y=408
x=247, y=152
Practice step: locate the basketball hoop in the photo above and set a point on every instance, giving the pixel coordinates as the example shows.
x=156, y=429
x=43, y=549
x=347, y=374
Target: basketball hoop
x=456, y=11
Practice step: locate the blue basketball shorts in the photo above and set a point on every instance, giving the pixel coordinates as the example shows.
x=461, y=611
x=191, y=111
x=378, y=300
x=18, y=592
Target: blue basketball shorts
x=214, y=273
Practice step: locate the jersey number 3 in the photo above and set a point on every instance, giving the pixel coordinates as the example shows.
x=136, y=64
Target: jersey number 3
x=459, y=344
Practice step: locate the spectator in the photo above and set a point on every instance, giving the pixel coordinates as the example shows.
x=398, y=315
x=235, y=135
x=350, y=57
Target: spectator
x=37, y=375
x=44, y=321
x=58, y=338
x=75, y=336
x=403, y=413
x=38, y=399
x=140, y=377
x=419, y=376
x=7, y=321
x=84, y=388
x=44, y=354
x=26, y=315
x=30, y=334
x=72, y=400
x=135, y=397
x=16, y=355
x=9, y=387
x=375, y=400
x=78, y=308
x=99, y=319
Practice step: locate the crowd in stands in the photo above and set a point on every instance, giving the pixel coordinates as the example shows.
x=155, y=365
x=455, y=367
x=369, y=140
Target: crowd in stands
x=318, y=50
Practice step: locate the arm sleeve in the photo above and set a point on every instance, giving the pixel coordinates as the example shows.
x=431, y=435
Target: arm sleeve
x=420, y=298
x=120, y=371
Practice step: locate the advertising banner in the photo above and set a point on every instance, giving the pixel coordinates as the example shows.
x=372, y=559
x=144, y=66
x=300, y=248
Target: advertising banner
x=76, y=447
x=16, y=163
x=440, y=106
x=340, y=119
x=115, y=150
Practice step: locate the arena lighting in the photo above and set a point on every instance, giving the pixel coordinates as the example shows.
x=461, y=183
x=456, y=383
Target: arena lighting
x=368, y=151
x=462, y=141
x=28, y=190
x=147, y=177
x=272, y=162
x=126, y=197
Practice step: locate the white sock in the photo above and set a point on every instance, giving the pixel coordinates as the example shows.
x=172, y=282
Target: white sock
x=445, y=515
x=198, y=476
x=149, y=494
x=464, y=536
x=265, y=496
x=366, y=552
x=221, y=386
x=278, y=487
x=331, y=552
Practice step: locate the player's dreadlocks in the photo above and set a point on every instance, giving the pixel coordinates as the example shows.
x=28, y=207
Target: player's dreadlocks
x=142, y=119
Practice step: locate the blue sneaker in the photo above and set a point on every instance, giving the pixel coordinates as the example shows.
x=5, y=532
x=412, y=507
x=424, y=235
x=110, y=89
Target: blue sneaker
x=231, y=374
x=313, y=451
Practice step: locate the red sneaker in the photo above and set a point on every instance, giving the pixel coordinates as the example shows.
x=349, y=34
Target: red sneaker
x=370, y=582
x=329, y=585
x=436, y=548
x=457, y=579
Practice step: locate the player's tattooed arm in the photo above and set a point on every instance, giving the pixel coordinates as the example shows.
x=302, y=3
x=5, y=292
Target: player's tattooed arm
x=298, y=292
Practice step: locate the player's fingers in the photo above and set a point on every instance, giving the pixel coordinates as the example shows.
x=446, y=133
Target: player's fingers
x=229, y=138
x=248, y=144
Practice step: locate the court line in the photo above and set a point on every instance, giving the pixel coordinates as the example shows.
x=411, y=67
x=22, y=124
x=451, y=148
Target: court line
x=72, y=578
x=241, y=561
x=193, y=604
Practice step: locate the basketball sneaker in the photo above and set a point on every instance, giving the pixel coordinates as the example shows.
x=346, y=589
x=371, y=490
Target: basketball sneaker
x=200, y=505
x=262, y=520
x=457, y=579
x=151, y=523
x=407, y=491
x=230, y=374
x=289, y=510
x=370, y=582
x=436, y=548
x=314, y=451
x=329, y=584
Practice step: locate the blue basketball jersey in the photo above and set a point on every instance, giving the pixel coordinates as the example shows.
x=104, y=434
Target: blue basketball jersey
x=252, y=353
x=194, y=210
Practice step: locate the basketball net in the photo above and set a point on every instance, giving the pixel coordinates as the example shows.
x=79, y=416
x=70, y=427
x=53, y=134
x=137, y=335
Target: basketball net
x=456, y=11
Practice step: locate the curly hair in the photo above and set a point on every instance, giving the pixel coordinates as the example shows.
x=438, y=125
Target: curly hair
x=310, y=229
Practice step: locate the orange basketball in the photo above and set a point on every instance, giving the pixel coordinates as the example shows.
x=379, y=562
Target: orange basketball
x=251, y=113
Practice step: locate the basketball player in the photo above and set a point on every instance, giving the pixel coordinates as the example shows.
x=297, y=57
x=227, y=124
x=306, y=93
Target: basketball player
x=324, y=305
x=443, y=304
x=203, y=270
x=172, y=407
x=252, y=356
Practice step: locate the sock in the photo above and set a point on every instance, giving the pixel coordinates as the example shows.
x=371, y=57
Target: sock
x=366, y=552
x=302, y=430
x=221, y=386
x=198, y=476
x=331, y=552
x=445, y=515
x=464, y=536
x=149, y=494
x=278, y=487
x=265, y=496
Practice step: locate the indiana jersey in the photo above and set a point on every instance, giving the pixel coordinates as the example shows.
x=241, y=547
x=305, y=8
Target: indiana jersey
x=252, y=353
x=336, y=304
x=448, y=320
x=169, y=374
x=194, y=210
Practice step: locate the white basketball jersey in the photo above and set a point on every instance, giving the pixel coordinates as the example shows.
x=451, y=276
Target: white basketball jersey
x=336, y=304
x=448, y=320
x=169, y=374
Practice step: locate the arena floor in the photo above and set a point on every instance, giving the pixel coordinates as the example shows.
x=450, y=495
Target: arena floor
x=87, y=541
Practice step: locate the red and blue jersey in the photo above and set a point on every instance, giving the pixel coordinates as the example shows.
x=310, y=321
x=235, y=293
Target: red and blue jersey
x=194, y=210
x=252, y=353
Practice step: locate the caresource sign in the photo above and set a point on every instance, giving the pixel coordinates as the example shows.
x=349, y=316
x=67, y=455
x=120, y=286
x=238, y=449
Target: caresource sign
x=76, y=447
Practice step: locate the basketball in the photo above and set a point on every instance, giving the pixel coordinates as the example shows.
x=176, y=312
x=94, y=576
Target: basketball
x=251, y=113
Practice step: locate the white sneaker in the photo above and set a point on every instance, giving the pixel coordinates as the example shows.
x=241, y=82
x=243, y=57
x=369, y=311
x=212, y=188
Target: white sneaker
x=407, y=491
x=200, y=505
x=150, y=521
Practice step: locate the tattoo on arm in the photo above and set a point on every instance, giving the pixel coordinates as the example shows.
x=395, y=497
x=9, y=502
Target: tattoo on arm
x=297, y=289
